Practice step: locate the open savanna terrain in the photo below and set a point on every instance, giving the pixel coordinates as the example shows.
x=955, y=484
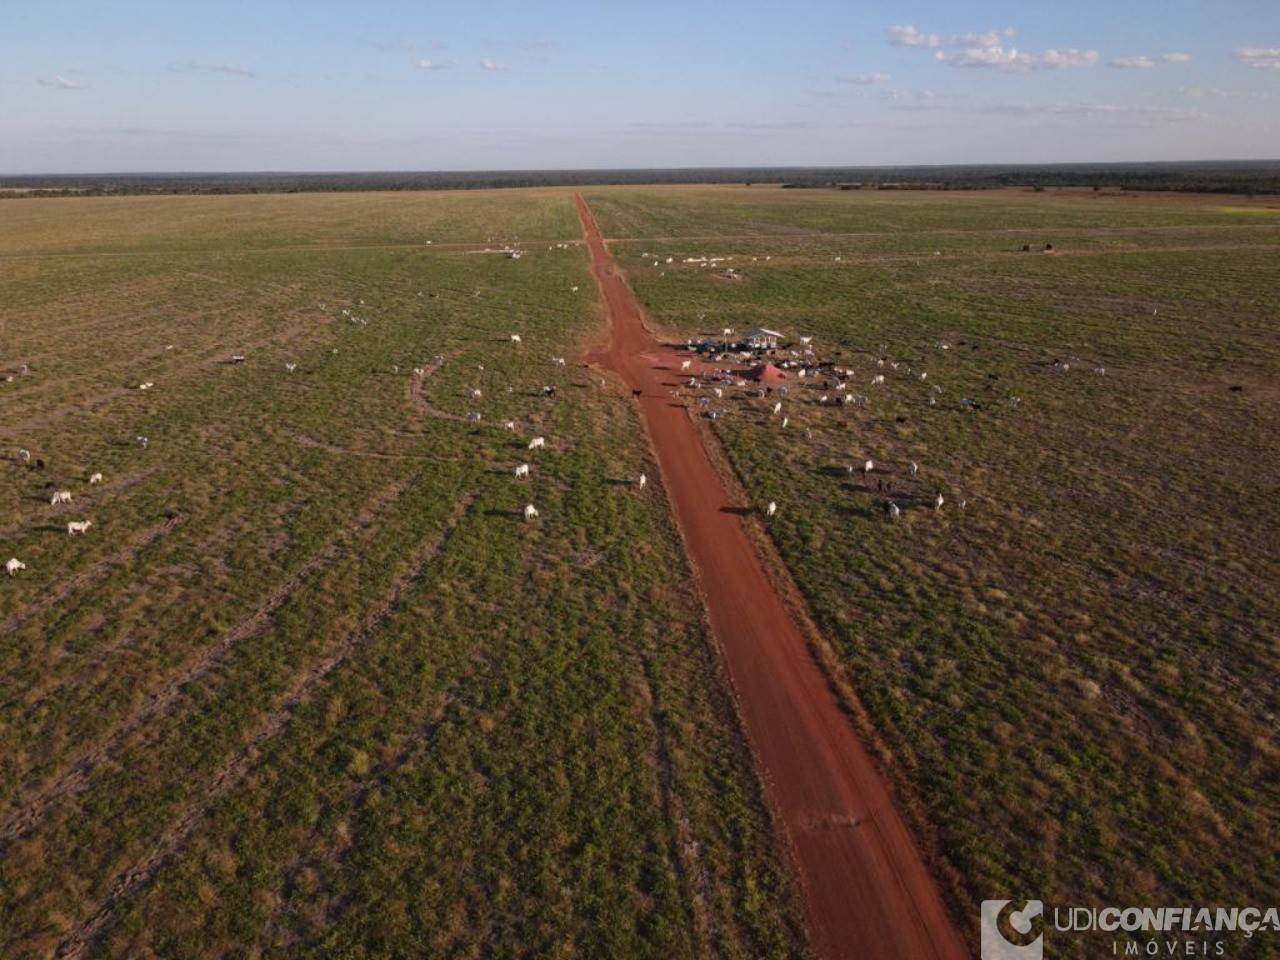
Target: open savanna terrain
x=309, y=685
x=1069, y=667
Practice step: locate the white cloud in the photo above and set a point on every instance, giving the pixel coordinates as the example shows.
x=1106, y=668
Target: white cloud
x=987, y=49
x=491, y=65
x=994, y=56
x=865, y=79
x=1261, y=58
x=909, y=36
x=1176, y=57
x=424, y=64
x=59, y=82
x=1068, y=57
x=191, y=66
x=1217, y=93
x=1132, y=63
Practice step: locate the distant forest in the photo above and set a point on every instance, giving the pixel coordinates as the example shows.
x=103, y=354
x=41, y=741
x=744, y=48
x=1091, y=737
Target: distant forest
x=1235, y=177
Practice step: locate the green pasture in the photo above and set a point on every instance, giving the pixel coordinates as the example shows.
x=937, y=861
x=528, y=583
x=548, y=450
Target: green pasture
x=310, y=686
x=1074, y=676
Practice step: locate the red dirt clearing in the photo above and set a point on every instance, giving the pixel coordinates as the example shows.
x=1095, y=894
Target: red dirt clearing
x=866, y=889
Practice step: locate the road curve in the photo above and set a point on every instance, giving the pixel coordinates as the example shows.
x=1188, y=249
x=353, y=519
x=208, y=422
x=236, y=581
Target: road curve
x=867, y=892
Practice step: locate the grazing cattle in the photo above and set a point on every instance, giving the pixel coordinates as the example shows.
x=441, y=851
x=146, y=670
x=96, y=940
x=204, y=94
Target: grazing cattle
x=78, y=527
x=24, y=456
x=290, y=367
x=867, y=467
x=141, y=441
x=641, y=481
x=530, y=511
x=537, y=443
x=476, y=394
x=785, y=421
x=60, y=496
x=937, y=502
x=894, y=512
x=95, y=478
x=573, y=289
x=522, y=471
x=508, y=425
x=771, y=509
x=515, y=338
x=419, y=371
x=877, y=379
x=915, y=468
x=473, y=417
x=237, y=358
x=548, y=391
x=13, y=565
x=777, y=408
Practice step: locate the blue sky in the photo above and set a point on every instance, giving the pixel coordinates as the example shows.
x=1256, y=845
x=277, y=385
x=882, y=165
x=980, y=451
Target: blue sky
x=397, y=85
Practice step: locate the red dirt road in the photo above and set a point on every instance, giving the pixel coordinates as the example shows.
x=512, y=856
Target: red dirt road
x=867, y=891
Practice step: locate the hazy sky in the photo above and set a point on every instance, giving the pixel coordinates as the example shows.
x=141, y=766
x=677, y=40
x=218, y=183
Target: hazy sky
x=136, y=85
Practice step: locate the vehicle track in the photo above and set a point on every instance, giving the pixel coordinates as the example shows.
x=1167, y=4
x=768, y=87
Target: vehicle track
x=31, y=809
x=866, y=888
x=233, y=772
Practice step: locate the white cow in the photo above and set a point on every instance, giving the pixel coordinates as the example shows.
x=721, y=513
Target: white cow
x=24, y=456
x=78, y=526
x=95, y=478
x=522, y=471
x=508, y=425
x=537, y=443
x=60, y=496
x=13, y=565
x=515, y=338
x=894, y=512
x=530, y=511
x=291, y=367
x=877, y=379
x=771, y=509
x=641, y=481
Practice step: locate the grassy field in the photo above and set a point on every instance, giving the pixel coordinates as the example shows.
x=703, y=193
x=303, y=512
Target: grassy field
x=1074, y=676
x=309, y=686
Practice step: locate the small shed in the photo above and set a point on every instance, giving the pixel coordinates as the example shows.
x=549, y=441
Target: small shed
x=761, y=339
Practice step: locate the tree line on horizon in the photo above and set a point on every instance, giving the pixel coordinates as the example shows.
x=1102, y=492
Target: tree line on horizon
x=1229, y=177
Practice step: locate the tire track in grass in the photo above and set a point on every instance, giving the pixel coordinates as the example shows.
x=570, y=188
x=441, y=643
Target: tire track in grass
x=233, y=772
x=354, y=801
x=94, y=573
x=212, y=355
x=413, y=393
x=32, y=808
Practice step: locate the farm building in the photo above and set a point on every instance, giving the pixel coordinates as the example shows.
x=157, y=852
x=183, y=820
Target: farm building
x=759, y=338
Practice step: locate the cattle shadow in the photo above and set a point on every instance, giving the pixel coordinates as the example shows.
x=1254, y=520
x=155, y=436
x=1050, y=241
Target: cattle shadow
x=739, y=511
